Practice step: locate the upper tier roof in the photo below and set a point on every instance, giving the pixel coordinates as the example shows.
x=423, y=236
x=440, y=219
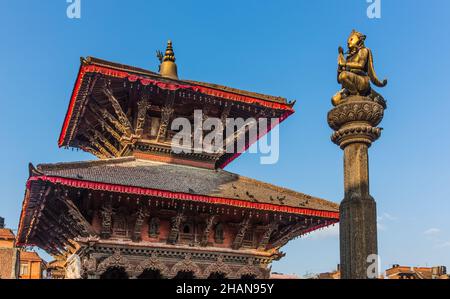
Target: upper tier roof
x=139, y=71
x=115, y=109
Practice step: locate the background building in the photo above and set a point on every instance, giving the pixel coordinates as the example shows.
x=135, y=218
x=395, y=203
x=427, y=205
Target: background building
x=17, y=263
x=31, y=265
x=9, y=257
x=406, y=272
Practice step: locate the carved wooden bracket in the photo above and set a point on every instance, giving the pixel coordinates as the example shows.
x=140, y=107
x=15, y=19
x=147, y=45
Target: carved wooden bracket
x=166, y=115
x=143, y=106
x=140, y=215
x=98, y=136
x=118, y=109
x=106, y=216
x=209, y=224
x=244, y=226
x=175, y=228
x=97, y=144
x=267, y=234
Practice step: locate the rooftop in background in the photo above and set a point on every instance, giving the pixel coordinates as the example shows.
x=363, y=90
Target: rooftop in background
x=406, y=272
x=13, y=259
x=6, y=234
x=30, y=256
x=275, y=275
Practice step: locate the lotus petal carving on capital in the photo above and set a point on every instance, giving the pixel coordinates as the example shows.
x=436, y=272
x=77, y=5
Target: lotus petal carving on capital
x=355, y=111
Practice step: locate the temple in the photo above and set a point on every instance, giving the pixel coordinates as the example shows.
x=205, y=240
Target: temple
x=145, y=210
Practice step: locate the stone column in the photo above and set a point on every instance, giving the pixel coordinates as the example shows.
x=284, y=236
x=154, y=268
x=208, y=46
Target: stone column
x=354, y=122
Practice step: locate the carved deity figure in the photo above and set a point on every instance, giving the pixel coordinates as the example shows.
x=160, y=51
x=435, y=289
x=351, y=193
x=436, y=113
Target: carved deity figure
x=356, y=71
x=154, y=227
x=218, y=233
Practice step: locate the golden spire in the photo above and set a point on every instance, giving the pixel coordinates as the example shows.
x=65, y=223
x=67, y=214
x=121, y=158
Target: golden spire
x=168, y=67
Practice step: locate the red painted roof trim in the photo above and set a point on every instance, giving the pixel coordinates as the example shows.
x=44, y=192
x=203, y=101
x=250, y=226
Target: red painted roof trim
x=183, y=196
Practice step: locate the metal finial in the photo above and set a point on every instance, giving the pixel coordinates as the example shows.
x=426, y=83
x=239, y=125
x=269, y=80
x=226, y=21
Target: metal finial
x=169, y=55
x=168, y=68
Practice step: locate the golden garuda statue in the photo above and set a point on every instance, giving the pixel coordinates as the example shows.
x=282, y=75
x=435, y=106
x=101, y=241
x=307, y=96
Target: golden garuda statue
x=356, y=71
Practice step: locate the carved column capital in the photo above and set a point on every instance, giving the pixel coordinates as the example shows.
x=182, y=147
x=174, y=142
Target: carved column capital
x=356, y=121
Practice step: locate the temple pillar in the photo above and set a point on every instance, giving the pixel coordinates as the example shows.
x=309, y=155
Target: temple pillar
x=354, y=122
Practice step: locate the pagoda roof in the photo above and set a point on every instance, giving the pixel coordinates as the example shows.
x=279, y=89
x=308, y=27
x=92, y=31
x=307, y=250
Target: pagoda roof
x=92, y=67
x=131, y=175
x=158, y=184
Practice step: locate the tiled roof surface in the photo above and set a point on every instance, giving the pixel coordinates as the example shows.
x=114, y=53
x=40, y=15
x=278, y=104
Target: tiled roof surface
x=30, y=256
x=183, y=179
x=7, y=234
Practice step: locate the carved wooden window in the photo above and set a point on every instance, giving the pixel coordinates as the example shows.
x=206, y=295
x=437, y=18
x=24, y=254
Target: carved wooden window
x=248, y=239
x=23, y=269
x=218, y=233
x=120, y=226
x=187, y=232
x=153, y=230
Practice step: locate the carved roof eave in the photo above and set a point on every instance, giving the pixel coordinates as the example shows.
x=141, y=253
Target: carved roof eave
x=194, y=198
x=38, y=184
x=202, y=182
x=35, y=209
x=32, y=171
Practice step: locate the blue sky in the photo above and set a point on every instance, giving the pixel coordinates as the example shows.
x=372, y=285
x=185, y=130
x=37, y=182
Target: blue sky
x=285, y=48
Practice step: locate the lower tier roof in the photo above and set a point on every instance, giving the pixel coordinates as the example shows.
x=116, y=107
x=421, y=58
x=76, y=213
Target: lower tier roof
x=131, y=175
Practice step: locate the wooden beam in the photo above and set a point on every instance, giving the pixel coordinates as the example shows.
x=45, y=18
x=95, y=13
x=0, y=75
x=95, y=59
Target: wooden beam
x=91, y=150
x=142, y=105
x=106, y=216
x=290, y=232
x=267, y=234
x=52, y=233
x=140, y=216
x=166, y=115
x=243, y=228
x=104, y=113
x=58, y=215
x=97, y=145
x=105, y=126
x=175, y=228
x=85, y=228
x=118, y=109
x=98, y=136
x=224, y=115
x=210, y=221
